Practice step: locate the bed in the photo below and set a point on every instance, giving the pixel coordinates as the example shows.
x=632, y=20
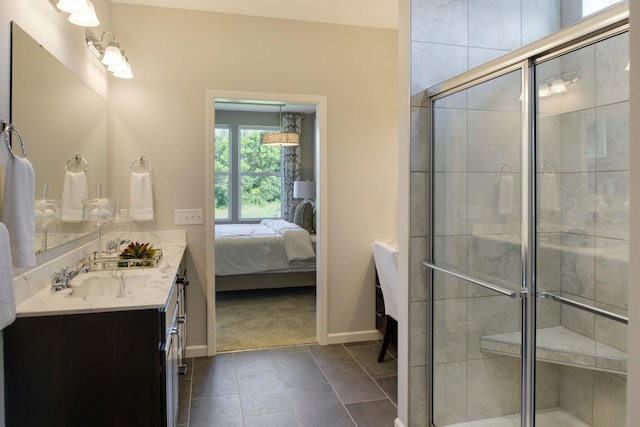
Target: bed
x=273, y=253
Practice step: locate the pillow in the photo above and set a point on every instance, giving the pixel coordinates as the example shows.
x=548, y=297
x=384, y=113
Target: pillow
x=292, y=209
x=303, y=216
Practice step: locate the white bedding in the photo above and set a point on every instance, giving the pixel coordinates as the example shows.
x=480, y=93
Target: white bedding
x=272, y=245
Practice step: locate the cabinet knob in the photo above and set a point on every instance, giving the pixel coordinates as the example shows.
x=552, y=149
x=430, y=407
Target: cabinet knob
x=182, y=369
x=182, y=318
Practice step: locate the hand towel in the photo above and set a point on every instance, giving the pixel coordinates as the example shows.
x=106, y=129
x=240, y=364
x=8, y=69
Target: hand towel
x=74, y=191
x=141, y=197
x=505, y=195
x=18, y=210
x=7, y=300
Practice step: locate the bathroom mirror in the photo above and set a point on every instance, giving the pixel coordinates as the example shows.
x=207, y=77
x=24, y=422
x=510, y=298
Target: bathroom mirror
x=58, y=116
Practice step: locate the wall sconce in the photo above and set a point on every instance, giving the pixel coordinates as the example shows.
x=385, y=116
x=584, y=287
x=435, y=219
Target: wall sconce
x=83, y=12
x=112, y=56
x=557, y=85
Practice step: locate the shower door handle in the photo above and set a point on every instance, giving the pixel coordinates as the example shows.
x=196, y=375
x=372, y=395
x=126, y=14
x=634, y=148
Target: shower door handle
x=520, y=294
x=575, y=304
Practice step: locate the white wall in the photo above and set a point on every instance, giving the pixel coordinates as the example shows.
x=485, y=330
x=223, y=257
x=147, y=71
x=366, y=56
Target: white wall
x=177, y=55
x=404, y=126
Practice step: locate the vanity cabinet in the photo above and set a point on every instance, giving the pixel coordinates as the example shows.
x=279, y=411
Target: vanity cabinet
x=110, y=368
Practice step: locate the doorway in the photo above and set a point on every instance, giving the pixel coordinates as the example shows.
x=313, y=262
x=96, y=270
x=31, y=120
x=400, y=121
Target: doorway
x=318, y=104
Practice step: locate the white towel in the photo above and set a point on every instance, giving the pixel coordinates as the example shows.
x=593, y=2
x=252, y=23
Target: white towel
x=18, y=211
x=505, y=195
x=7, y=300
x=141, y=197
x=74, y=191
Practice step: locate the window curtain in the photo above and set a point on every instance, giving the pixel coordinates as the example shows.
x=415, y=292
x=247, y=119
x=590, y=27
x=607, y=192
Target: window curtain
x=290, y=164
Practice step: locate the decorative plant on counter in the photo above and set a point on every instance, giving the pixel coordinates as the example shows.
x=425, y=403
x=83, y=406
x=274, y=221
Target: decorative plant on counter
x=139, y=251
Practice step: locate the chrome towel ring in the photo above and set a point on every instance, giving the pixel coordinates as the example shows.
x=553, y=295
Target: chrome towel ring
x=7, y=129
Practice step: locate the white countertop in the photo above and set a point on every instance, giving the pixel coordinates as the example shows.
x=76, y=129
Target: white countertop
x=154, y=295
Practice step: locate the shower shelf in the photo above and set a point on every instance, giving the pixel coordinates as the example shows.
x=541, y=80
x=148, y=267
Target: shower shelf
x=560, y=345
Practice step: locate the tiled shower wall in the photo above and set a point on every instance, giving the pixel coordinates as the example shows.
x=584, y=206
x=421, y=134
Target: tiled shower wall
x=449, y=37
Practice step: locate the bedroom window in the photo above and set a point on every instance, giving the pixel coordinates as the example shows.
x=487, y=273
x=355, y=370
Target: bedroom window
x=260, y=176
x=222, y=174
x=248, y=175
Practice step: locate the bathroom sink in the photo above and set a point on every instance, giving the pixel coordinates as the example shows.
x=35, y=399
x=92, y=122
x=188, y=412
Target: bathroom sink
x=108, y=284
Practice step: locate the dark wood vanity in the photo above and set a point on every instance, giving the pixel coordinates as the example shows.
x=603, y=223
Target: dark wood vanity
x=113, y=368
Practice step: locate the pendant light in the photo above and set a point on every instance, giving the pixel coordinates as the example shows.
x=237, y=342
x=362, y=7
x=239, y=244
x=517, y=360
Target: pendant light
x=280, y=138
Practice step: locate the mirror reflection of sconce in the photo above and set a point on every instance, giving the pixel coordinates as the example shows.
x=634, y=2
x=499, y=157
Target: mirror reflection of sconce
x=556, y=85
x=112, y=56
x=82, y=12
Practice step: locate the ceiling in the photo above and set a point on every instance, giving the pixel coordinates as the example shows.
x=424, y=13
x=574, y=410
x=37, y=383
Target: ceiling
x=362, y=13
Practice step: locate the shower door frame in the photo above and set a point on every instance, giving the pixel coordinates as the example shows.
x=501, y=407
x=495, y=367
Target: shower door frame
x=608, y=23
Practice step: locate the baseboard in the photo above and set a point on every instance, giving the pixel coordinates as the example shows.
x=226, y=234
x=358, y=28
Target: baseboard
x=195, y=351
x=398, y=423
x=357, y=336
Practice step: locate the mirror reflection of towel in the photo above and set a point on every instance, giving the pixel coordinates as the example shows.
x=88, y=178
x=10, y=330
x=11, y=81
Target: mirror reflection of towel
x=141, y=197
x=74, y=191
x=505, y=195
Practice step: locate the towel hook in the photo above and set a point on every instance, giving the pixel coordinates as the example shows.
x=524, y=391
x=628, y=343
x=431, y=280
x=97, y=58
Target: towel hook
x=140, y=165
x=8, y=128
x=72, y=164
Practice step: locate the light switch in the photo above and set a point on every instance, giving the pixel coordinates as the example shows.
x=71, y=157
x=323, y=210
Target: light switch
x=189, y=216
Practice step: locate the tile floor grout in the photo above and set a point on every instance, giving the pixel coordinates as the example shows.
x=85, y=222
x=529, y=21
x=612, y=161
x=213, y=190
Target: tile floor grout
x=317, y=359
x=332, y=386
x=369, y=374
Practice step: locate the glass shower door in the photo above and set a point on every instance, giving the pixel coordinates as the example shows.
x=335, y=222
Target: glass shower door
x=476, y=253
x=582, y=177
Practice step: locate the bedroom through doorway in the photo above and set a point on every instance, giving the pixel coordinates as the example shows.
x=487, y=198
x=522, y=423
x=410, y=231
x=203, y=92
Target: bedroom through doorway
x=265, y=221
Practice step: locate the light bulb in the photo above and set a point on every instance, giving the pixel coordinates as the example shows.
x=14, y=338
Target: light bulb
x=73, y=6
x=112, y=56
x=85, y=18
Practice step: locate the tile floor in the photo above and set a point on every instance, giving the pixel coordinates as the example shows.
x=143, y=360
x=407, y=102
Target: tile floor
x=308, y=385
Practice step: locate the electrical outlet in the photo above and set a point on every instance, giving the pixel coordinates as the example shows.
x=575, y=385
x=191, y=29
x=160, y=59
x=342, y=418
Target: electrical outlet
x=189, y=216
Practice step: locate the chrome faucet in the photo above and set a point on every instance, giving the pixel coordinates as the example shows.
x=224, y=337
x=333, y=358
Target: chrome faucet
x=62, y=279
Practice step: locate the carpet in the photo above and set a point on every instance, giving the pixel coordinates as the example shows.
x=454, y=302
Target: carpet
x=265, y=318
